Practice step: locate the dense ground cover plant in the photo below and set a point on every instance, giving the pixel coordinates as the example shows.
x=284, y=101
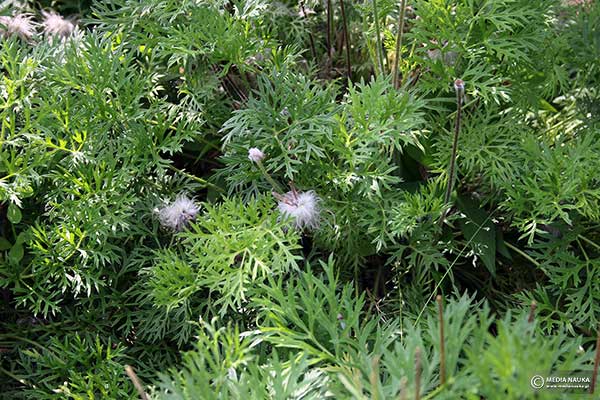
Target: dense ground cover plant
x=255, y=199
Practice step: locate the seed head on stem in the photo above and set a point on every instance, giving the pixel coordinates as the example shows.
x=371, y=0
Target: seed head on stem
x=459, y=88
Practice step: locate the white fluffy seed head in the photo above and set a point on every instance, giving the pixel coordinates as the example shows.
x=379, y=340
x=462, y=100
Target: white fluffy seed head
x=301, y=207
x=177, y=215
x=255, y=155
x=56, y=25
x=20, y=25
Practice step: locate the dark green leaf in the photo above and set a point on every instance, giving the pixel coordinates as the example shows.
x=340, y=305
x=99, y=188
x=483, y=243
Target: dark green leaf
x=479, y=230
x=4, y=244
x=14, y=214
x=16, y=253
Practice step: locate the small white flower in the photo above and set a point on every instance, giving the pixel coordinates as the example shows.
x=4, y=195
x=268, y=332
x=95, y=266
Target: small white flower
x=56, y=25
x=255, y=155
x=177, y=216
x=302, y=207
x=20, y=25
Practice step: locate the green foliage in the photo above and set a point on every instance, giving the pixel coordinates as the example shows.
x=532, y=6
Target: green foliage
x=76, y=368
x=345, y=153
x=103, y=133
x=223, y=366
x=215, y=267
x=358, y=355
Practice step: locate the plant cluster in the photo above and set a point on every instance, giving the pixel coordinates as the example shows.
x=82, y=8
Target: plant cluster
x=256, y=199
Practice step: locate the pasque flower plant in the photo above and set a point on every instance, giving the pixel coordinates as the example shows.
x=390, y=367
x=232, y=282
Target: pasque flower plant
x=179, y=223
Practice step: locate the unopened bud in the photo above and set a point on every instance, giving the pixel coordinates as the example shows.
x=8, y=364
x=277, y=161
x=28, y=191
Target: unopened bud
x=255, y=155
x=459, y=86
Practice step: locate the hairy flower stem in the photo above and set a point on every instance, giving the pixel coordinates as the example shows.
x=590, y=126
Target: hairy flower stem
x=329, y=43
x=374, y=377
x=194, y=177
x=532, y=308
x=417, y=373
x=399, y=36
x=136, y=382
x=403, y=388
x=596, y=362
x=442, y=342
x=269, y=178
x=588, y=241
x=459, y=87
x=522, y=254
x=379, y=53
x=346, y=40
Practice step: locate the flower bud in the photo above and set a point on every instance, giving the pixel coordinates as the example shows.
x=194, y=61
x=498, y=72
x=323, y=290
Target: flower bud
x=255, y=155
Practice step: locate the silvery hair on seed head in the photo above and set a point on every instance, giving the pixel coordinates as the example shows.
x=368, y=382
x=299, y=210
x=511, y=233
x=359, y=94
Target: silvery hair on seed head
x=301, y=207
x=56, y=25
x=178, y=214
x=20, y=25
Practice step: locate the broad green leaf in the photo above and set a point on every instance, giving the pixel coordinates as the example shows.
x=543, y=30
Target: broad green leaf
x=479, y=230
x=16, y=253
x=14, y=214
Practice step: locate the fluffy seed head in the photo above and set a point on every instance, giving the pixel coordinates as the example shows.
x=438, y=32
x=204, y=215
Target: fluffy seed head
x=20, y=25
x=255, y=155
x=177, y=215
x=301, y=207
x=56, y=25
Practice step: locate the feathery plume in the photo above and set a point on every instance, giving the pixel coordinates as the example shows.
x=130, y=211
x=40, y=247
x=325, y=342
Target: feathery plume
x=56, y=25
x=302, y=207
x=20, y=25
x=179, y=214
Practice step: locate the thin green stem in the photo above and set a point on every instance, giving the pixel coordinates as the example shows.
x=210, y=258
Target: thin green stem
x=194, y=177
x=451, y=170
x=269, y=178
x=583, y=250
x=346, y=40
x=329, y=26
x=588, y=241
x=13, y=376
x=310, y=36
x=431, y=395
x=399, y=37
x=522, y=254
x=22, y=339
x=379, y=52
